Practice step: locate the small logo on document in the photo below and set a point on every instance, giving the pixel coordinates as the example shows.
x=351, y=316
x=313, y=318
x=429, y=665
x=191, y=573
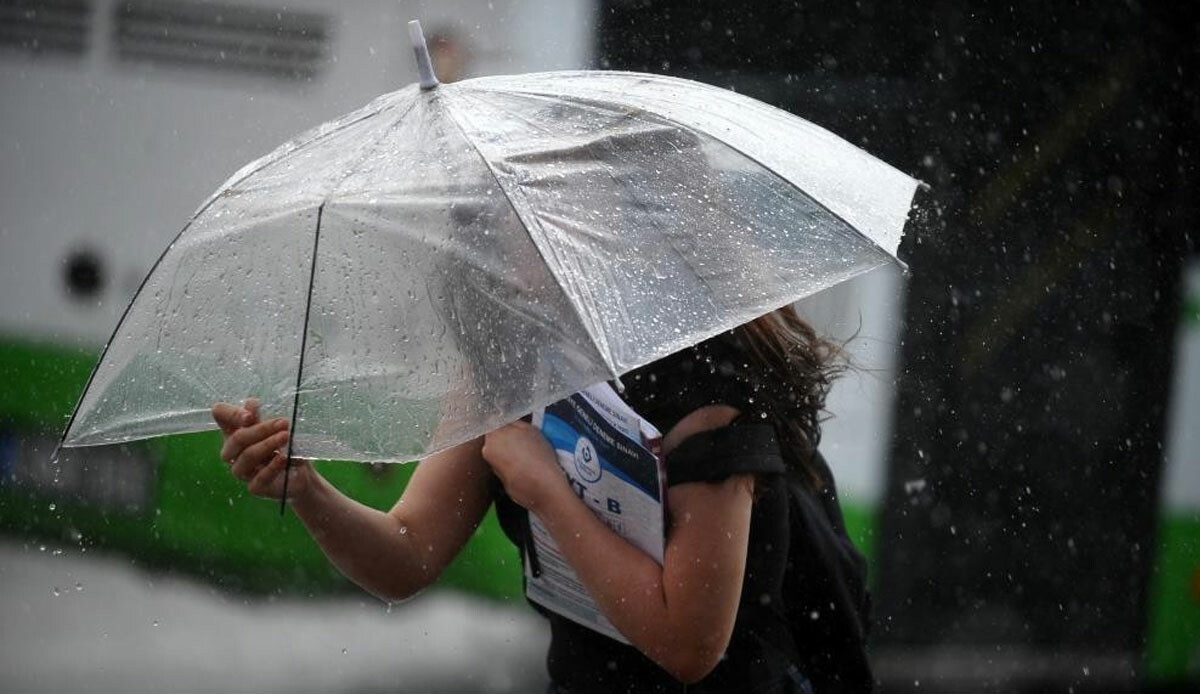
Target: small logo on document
x=587, y=461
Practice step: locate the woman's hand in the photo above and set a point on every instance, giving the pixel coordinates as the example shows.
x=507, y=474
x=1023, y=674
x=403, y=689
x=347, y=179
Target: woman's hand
x=525, y=462
x=256, y=451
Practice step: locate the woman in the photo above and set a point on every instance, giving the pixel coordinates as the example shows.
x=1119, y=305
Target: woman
x=712, y=615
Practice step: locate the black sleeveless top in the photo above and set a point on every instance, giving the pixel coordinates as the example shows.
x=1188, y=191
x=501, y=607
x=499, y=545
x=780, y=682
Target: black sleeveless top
x=581, y=661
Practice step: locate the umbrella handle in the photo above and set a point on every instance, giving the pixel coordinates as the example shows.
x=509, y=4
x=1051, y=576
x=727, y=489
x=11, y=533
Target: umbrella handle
x=424, y=65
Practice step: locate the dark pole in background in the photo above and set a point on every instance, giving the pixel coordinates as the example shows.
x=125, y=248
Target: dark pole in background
x=1037, y=349
x=1037, y=355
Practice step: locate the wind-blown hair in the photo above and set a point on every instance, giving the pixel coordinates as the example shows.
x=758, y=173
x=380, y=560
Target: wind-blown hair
x=803, y=367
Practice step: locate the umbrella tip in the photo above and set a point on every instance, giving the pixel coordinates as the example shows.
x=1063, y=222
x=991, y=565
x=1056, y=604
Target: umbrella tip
x=424, y=65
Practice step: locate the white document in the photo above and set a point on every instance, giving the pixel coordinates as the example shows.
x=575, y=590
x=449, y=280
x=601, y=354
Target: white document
x=612, y=460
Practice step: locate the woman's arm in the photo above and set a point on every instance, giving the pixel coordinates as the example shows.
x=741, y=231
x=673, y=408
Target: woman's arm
x=397, y=554
x=680, y=614
x=392, y=555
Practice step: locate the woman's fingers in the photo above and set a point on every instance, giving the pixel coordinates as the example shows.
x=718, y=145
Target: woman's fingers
x=228, y=417
x=251, y=406
x=248, y=462
x=252, y=448
x=245, y=437
x=231, y=417
x=264, y=481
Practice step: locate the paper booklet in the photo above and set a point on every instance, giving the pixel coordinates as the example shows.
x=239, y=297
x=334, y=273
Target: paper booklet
x=612, y=460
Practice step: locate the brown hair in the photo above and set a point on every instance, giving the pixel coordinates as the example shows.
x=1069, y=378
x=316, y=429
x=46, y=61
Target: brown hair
x=802, y=367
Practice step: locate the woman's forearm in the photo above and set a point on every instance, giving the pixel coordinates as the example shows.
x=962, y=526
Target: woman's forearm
x=672, y=613
x=392, y=555
x=679, y=614
x=370, y=547
x=626, y=582
x=396, y=554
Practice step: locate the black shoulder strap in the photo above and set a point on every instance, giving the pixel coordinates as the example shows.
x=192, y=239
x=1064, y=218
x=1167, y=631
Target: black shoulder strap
x=714, y=455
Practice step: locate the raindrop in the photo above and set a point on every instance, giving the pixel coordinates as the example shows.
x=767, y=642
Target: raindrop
x=57, y=591
x=404, y=530
x=53, y=507
x=344, y=651
x=914, y=486
x=154, y=623
x=78, y=587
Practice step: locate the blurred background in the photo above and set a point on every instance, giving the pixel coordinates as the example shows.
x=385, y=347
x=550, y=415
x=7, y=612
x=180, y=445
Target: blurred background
x=1018, y=450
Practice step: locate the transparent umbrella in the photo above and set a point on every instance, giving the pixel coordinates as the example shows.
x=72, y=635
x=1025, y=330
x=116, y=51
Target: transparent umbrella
x=449, y=257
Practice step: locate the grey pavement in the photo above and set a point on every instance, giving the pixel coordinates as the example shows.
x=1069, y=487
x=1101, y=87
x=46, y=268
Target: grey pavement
x=73, y=621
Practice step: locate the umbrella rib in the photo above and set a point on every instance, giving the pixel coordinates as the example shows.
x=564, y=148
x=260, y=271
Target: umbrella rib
x=703, y=133
x=312, y=274
x=277, y=155
x=604, y=356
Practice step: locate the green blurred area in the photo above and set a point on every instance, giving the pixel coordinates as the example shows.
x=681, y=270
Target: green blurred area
x=1173, y=637
x=861, y=520
x=201, y=519
x=1190, y=310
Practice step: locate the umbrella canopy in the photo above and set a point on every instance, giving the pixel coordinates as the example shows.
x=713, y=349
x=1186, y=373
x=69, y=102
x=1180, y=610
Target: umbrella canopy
x=446, y=259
